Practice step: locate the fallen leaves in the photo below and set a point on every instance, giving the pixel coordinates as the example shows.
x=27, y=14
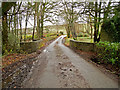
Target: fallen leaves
x=11, y=58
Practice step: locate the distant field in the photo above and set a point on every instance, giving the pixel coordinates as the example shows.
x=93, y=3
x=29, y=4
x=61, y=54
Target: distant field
x=81, y=39
x=85, y=39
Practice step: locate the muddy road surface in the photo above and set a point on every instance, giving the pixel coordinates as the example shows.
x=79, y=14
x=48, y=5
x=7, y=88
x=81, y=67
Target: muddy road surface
x=59, y=67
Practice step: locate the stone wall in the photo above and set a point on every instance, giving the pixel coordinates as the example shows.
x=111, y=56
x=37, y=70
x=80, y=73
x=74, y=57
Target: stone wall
x=84, y=46
x=30, y=47
x=33, y=46
x=14, y=74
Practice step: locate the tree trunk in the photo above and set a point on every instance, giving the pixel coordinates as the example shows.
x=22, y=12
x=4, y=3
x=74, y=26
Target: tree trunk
x=14, y=22
x=95, y=23
x=41, y=29
x=25, y=26
x=20, y=21
x=4, y=31
x=17, y=26
x=99, y=19
x=72, y=26
x=9, y=23
x=91, y=30
x=12, y=29
x=34, y=28
x=5, y=25
x=68, y=31
x=34, y=21
x=42, y=19
x=38, y=21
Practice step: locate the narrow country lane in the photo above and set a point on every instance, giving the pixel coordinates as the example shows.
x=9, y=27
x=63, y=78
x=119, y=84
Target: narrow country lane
x=59, y=67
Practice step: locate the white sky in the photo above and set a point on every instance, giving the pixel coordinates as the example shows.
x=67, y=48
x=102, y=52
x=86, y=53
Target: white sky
x=48, y=23
x=32, y=22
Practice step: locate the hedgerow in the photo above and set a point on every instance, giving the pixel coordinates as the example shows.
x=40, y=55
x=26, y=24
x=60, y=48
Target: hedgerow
x=109, y=53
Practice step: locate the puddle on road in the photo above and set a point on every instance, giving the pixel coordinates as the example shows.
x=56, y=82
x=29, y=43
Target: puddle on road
x=44, y=50
x=69, y=76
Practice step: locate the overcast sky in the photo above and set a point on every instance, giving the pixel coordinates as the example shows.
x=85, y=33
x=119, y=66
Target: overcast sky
x=61, y=21
x=46, y=23
x=32, y=22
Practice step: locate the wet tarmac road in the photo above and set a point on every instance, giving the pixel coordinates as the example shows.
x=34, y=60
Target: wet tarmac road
x=59, y=67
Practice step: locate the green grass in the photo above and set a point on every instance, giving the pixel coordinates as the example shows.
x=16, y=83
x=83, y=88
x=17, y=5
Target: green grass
x=67, y=41
x=85, y=39
x=81, y=39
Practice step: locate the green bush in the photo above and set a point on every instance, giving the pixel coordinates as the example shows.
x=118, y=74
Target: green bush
x=112, y=26
x=14, y=42
x=85, y=35
x=80, y=35
x=13, y=45
x=51, y=34
x=28, y=37
x=61, y=32
x=109, y=52
x=47, y=35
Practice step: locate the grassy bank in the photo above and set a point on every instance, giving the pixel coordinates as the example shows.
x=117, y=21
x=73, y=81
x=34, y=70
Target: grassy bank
x=107, y=54
x=12, y=57
x=81, y=39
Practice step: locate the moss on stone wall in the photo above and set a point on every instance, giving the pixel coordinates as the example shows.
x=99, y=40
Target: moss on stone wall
x=30, y=47
x=84, y=46
x=33, y=46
